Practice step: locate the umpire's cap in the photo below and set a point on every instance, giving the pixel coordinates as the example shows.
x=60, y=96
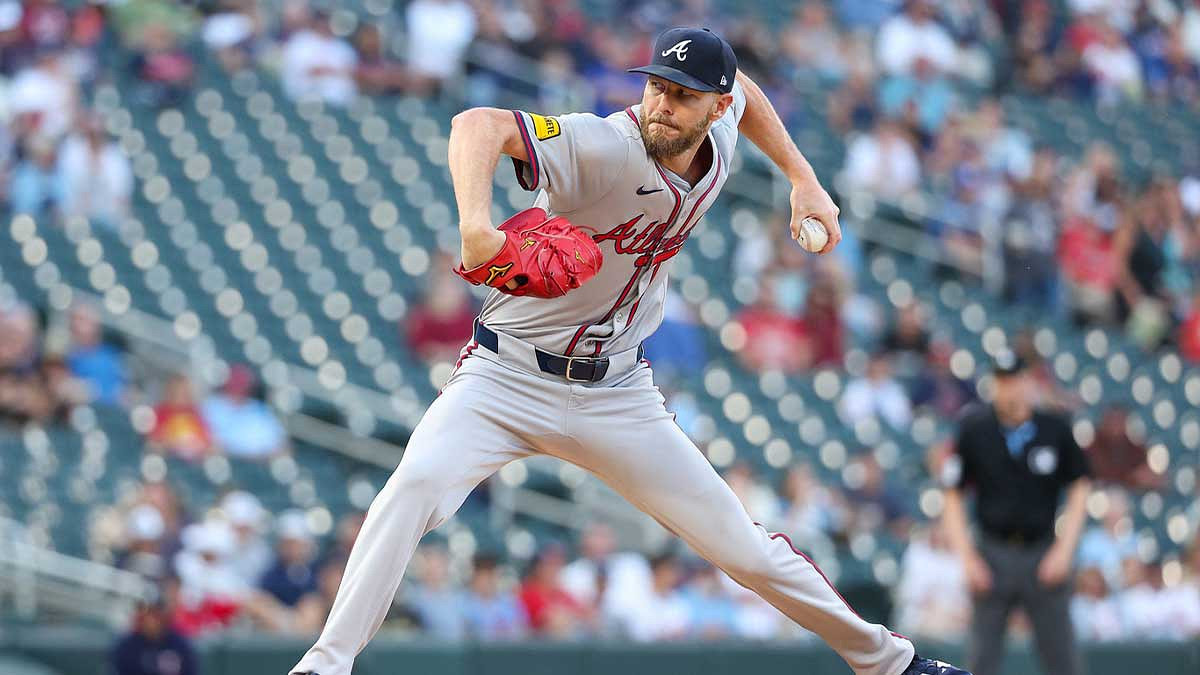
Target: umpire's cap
x=696, y=58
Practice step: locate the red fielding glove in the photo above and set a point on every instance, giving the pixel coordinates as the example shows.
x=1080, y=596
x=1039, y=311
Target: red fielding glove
x=547, y=257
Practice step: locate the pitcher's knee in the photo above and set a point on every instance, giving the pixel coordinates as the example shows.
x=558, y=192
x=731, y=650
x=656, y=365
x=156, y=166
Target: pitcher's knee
x=417, y=481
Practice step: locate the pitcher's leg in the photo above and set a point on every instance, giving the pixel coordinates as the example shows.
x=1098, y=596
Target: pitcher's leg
x=632, y=443
x=714, y=523
x=455, y=446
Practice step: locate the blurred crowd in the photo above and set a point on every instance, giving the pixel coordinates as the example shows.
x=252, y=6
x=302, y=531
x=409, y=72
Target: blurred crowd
x=910, y=52
x=1118, y=596
x=56, y=162
x=913, y=88
x=1075, y=237
x=233, y=563
x=235, y=566
x=48, y=365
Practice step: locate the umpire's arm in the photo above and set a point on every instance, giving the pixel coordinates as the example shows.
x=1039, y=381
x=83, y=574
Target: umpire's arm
x=1056, y=564
x=477, y=139
x=958, y=531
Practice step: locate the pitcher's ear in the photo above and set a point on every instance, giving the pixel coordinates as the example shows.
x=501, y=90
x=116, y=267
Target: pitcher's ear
x=722, y=104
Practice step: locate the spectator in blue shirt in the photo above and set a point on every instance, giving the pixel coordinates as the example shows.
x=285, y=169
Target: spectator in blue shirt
x=34, y=187
x=677, y=347
x=153, y=647
x=711, y=612
x=436, y=599
x=244, y=426
x=99, y=364
x=859, y=15
x=1105, y=545
x=294, y=573
x=489, y=612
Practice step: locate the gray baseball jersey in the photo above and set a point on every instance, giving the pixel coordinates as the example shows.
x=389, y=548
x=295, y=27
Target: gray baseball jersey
x=595, y=172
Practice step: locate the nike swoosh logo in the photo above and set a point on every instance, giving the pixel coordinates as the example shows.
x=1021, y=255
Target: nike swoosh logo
x=643, y=191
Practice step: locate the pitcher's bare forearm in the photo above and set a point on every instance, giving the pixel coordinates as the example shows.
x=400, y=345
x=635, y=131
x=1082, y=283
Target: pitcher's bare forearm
x=761, y=124
x=477, y=139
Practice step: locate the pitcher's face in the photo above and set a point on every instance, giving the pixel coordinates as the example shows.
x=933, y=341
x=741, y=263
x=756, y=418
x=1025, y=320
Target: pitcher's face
x=675, y=119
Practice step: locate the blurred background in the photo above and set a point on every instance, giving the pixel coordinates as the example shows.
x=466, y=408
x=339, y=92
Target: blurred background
x=225, y=300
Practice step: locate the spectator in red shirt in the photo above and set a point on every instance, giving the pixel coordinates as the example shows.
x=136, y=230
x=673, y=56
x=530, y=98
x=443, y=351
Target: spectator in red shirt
x=164, y=67
x=823, y=320
x=774, y=339
x=179, y=429
x=210, y=592
x=1189, y=332
x=441, y=324
x=1116, y=458
x=191, y=619
x=550, y=609
x=375, y=73
x=1089, y=267
x=1084, y=31
x=44, y=23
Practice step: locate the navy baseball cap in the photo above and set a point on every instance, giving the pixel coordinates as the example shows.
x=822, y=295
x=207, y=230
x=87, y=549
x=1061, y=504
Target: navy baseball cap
x=696, y=58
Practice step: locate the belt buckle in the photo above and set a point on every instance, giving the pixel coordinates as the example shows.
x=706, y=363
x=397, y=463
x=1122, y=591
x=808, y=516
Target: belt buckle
x=570, y=362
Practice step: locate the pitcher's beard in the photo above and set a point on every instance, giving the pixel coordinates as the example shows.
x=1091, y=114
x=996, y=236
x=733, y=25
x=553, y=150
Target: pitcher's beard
x=661, y=147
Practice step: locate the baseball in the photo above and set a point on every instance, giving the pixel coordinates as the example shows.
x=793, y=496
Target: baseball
x=813, y=236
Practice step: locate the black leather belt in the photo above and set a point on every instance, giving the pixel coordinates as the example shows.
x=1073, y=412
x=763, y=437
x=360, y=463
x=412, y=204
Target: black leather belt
x=1017, y=537
x=571, y=368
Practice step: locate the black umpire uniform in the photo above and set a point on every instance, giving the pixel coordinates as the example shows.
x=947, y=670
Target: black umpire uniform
x=1018, y=476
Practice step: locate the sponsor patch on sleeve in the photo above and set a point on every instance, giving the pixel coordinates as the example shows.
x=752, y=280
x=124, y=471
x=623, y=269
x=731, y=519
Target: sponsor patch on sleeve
x=545, y=127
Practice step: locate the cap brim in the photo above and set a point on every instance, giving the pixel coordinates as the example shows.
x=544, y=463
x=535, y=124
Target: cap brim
x=674, y=75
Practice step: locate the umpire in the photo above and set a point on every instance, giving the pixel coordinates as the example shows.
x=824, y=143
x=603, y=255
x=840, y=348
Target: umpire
x=1018, y=461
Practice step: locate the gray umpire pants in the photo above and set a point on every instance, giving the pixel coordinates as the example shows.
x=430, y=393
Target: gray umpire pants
x=1015, y=584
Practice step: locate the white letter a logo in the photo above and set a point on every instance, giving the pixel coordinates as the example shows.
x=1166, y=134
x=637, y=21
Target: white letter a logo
x=680, y=50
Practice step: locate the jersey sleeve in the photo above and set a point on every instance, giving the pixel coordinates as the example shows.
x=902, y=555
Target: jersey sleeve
x=575, y=158
x=1073, y=464
x=739, y=103
x=962, y=467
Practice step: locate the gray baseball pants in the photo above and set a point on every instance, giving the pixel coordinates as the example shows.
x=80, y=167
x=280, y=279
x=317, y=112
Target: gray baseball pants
x=499, y=407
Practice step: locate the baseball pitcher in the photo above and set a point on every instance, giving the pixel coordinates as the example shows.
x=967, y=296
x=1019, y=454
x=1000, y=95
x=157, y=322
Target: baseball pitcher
x=555, y=365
